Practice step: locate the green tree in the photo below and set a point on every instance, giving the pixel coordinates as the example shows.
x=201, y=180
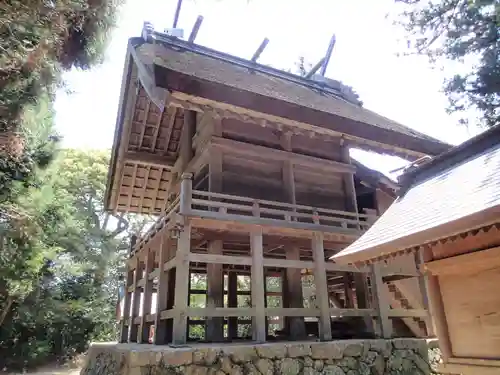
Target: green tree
x=463, y=31
x=74, y=255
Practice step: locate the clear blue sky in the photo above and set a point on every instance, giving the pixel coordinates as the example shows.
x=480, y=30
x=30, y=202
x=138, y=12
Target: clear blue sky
x=404, y=89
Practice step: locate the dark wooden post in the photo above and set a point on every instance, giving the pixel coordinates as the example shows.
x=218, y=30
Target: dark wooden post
x=232, y=301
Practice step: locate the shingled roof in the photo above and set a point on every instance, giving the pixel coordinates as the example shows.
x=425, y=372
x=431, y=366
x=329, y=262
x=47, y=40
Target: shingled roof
x=453, y=193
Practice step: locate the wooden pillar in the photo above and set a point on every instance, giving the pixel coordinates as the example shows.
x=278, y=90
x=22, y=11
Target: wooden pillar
x=287, y=173
x=186, y=141
x=325, y=327
x=351, y=204
x=257, y=283
x=437, y=310
x=182, y=285
x=382, y=304
x=348, y=292
x=145, y=326
x=162, y=292
x=232, y=301
x=295, y=325
x=136, y=302
x=186, y=193
x=424, y=288
x=215, y=294
x=170, y=304
x=125, y=322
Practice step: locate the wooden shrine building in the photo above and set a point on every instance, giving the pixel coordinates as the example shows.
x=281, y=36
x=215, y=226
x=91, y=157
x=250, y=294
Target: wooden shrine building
x=248, y=170
x=448, y=213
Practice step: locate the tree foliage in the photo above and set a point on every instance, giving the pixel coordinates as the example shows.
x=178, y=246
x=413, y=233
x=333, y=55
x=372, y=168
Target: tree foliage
x=467, y=31
x=60, y=270
x=41, y=38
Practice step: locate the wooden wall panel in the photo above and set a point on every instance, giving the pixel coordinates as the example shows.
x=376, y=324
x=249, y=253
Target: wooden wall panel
x=472, y=308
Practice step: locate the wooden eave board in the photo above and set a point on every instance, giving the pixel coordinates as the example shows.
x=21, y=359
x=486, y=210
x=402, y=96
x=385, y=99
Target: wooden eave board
x=145, y=148
x=202, y=76
x=457, y=199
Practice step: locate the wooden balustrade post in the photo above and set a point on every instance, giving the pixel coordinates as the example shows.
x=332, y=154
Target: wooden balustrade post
x=325, y=327
x=182, y=285
x=257, y=284
x=381, y=301
x=186, y=193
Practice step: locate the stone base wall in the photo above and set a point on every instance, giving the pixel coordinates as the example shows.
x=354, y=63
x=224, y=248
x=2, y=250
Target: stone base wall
x=351, y=357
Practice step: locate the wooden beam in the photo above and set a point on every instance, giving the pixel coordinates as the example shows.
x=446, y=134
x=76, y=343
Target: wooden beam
x=215, y=293
x=220, y=312
x=148, y=158
x=182, y=285
x=475, y=262
x=257, y=282
x=325, y=329
x=248, y=149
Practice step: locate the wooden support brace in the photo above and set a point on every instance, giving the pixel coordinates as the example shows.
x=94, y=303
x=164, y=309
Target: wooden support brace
x=325, y=328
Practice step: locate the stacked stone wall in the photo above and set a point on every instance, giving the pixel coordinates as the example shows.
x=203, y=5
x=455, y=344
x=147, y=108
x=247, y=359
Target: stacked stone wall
x=352, y=357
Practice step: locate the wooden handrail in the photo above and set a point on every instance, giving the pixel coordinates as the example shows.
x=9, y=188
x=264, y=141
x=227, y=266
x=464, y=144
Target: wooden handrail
x=264, y=202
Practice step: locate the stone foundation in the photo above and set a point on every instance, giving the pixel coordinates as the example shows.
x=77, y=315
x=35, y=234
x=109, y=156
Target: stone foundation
x=350, y=357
